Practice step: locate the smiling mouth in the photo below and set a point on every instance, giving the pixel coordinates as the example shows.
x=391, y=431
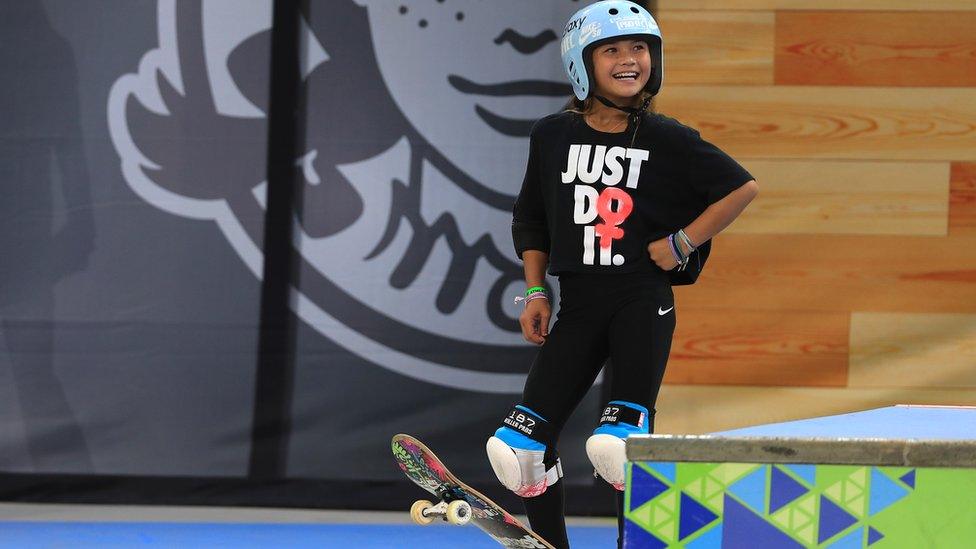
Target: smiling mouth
x=511, y=127
x=626, y=76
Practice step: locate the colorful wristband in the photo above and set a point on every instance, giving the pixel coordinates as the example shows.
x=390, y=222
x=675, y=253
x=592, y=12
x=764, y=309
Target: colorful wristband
x=683, y=237
x=533, y=290
x=535, y=295
x=675, y=251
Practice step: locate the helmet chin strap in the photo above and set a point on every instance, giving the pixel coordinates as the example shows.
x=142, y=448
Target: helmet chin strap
x=612, y=105
x=634, y=114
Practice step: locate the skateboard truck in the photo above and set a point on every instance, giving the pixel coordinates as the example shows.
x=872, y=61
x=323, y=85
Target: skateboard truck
x=457, y=512
x=452, y=507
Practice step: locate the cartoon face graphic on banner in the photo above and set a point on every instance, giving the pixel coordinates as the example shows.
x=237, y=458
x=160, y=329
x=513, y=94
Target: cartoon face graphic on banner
x=418, y=114
x=493, y=68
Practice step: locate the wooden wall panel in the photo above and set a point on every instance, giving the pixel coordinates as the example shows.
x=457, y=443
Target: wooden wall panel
x=837, y=273
x=805, y=348
x=830, y=122
x=847, y=197
x=849, y=5
x=690, y=409
x=835, y=48
x=718, y=47
x=913, y=350
x=864, y=146
x=962, y=202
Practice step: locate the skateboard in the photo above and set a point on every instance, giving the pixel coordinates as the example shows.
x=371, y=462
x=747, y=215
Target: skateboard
x=457, y=503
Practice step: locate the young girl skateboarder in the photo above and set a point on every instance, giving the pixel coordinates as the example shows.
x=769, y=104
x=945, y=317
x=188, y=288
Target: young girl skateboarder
x=615, y=202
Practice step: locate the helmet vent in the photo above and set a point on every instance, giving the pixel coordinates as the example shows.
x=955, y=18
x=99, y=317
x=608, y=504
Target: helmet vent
x=613, y=11
x=635, y=10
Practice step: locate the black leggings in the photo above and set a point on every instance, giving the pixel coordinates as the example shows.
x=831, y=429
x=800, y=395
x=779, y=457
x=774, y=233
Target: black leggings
x=628, y=318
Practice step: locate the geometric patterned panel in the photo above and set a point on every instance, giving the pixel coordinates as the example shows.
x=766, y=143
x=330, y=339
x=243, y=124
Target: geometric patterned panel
x=908, y=478
x=639, y=537
x=874, y=536
x=709, y=485
x=806, y=473
x=833, y=519
x=884, y=492
x=799, y=518
x=850, y=491
x=751, y=489
x=693, y=516
x=646, y=488
x=783, y=490
x=852, y=540
x=744, y=528
x=727, y=505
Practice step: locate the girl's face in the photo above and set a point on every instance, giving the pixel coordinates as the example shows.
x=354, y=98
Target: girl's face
x=621, y=69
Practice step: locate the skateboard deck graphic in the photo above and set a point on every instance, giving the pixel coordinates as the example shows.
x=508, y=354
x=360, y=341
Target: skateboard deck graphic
x=427, y=471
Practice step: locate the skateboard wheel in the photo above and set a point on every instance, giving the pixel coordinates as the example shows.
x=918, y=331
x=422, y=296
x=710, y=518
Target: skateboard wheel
x=417, y=512
x=459, y=512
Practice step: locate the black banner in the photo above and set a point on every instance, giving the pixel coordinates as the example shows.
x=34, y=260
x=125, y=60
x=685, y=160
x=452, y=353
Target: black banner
x=133, y=227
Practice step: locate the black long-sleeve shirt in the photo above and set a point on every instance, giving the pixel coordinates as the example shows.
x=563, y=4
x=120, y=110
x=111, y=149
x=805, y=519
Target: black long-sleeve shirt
x=593, y=202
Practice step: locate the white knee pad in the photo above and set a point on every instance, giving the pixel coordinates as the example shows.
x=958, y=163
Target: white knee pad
x=518, y=453
x=521, y=471
x=606, y=448
x=608, y=455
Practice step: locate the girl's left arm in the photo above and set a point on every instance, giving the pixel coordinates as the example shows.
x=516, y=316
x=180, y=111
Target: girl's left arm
x=712, y=221
x=721, y=214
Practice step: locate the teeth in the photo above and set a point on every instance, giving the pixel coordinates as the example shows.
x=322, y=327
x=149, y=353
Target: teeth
x=621, y=75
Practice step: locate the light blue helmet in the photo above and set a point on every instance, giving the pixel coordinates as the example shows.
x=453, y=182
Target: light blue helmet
x=608, y=21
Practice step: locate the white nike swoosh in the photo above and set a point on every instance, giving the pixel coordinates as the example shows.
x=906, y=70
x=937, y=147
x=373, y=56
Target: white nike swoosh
x=662, y=311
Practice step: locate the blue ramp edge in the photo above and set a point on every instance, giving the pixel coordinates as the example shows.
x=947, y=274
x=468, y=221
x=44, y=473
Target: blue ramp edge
x=113, y=535
x=893, y=422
